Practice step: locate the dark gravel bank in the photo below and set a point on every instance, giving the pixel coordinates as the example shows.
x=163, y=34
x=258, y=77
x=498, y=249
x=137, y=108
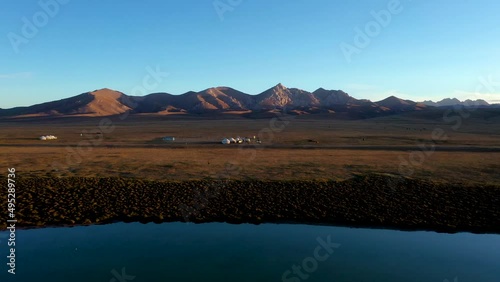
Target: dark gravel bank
x=370, y=201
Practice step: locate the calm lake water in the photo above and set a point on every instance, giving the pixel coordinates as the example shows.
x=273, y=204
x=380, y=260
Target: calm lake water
x=269, y=252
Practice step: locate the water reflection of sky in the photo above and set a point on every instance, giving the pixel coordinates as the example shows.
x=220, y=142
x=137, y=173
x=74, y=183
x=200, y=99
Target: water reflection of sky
x=224, y=252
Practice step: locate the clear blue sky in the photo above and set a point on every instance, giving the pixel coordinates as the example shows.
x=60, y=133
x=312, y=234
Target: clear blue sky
x=430, y=50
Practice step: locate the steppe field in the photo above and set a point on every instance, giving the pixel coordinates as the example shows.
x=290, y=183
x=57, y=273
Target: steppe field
x=435, y=145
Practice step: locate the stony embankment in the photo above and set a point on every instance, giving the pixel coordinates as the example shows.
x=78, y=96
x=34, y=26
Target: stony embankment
x=369, y=201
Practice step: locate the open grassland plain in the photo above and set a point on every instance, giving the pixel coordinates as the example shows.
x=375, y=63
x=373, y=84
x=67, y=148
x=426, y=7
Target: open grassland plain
x=300, y=148
x=393, y=171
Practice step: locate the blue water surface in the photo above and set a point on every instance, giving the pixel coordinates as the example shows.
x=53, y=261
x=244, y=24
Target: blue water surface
x=269, y=252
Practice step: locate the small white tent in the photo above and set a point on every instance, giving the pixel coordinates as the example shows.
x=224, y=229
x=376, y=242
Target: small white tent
x=226, y=141
x=48, y=137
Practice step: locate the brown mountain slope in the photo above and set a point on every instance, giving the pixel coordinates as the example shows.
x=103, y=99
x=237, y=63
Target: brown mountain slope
x=214, y=99
x=333, y=97
x=211, y=99
x=396, y=104
x=104, y=102
x=281, y=96
x=107, y=102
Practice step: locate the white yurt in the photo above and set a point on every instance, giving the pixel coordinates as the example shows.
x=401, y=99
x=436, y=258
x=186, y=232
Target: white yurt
x=226, y=141
x=232, y=140
x=48, y=137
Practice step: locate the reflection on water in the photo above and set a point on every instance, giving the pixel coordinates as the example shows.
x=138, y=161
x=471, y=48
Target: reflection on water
x=269, y=252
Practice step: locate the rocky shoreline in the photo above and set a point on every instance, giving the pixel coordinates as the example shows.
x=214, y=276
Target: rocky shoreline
x=380, y=201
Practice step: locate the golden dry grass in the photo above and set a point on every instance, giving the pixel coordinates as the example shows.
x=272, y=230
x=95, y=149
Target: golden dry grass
x=196, y=153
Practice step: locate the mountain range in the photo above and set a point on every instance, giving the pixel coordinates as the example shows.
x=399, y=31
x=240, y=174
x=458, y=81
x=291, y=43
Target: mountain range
x=451, y=102
x=107, y=102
